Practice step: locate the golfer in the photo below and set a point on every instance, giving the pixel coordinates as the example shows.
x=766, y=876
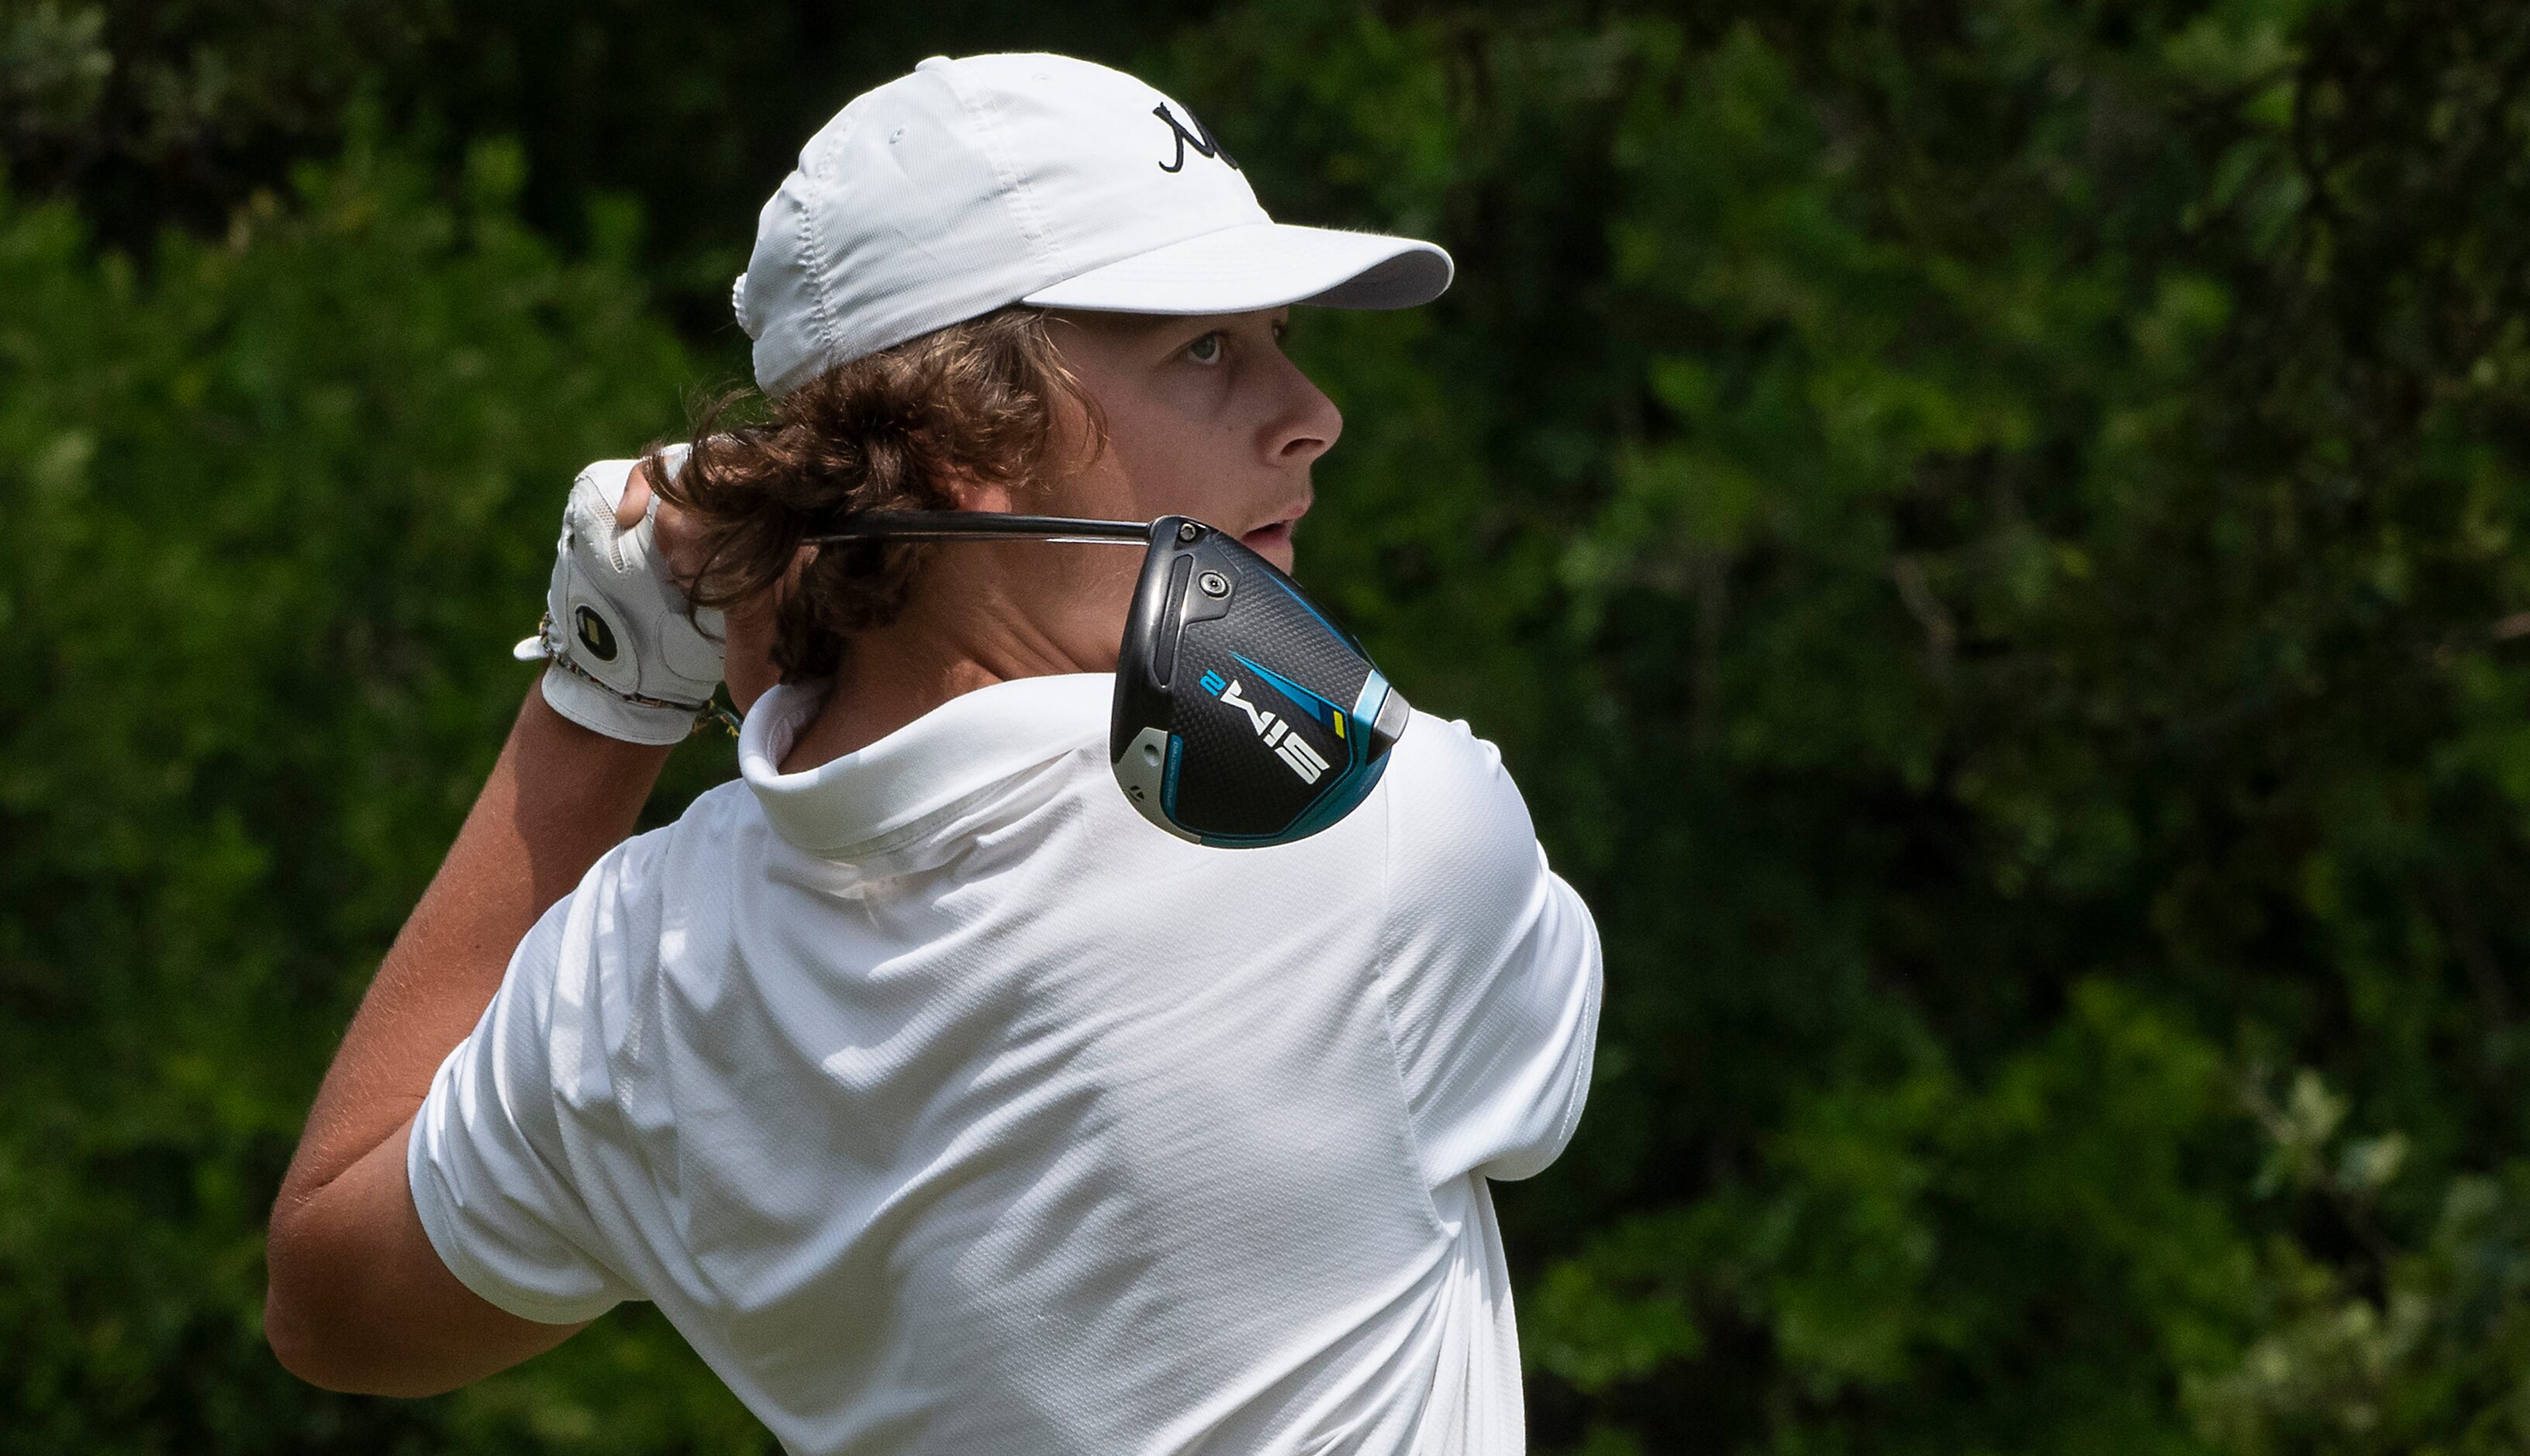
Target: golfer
x=942, y=1102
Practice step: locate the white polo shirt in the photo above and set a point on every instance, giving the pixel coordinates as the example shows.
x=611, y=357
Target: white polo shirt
x=944, y=1105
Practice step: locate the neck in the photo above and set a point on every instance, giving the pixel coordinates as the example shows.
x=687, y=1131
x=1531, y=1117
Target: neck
x=897, y=673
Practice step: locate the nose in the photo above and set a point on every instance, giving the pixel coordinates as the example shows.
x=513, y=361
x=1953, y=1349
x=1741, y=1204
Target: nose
x=1305, y=422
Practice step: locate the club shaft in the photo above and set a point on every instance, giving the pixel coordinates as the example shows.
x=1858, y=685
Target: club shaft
x=984, y=525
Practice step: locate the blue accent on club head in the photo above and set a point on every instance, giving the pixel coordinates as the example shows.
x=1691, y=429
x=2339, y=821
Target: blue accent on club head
x=1365, y=713
x=1169, y=778
x=1359, y=781
x=1316, y=707
x=1354, y=781
x=1211, y=682
x=1341, y=799
x=1374, y=692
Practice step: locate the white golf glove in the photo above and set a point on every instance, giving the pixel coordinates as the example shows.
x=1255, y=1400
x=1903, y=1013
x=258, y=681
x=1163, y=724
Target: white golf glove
x=628, y=660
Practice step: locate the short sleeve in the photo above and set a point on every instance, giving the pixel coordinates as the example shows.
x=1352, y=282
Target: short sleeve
x=486, y=1163
x=1490, y=963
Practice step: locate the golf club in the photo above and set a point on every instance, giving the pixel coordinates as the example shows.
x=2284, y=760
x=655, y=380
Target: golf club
x=1245, y=717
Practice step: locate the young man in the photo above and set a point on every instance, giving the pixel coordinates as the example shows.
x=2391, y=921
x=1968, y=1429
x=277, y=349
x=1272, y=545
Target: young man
x=942, y=1102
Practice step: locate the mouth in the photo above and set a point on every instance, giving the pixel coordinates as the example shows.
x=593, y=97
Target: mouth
x=1274, y=536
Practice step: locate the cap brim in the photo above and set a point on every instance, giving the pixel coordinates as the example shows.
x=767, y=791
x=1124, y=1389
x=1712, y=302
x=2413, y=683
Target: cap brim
x=1260, y=265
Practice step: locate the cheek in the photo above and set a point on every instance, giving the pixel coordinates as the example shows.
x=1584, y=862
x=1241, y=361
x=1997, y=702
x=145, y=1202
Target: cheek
x=1099, y=487
x=1181, y=463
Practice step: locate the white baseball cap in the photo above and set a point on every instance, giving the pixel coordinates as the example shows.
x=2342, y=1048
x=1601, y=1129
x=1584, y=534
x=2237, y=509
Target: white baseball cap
x=1030, y=179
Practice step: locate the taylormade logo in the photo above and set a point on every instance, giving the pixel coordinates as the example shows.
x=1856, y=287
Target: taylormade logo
x=1289, y=747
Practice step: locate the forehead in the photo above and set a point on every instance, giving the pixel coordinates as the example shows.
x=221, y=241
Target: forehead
x=1126, y=327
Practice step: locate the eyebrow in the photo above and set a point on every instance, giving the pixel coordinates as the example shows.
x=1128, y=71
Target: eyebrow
x=1126, y=323
x=1145, y=324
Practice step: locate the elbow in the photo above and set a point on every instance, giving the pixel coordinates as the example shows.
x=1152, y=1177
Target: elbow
x=299, y=1345
x=332, y=1356
x=317, y=1318
x=296, y=1323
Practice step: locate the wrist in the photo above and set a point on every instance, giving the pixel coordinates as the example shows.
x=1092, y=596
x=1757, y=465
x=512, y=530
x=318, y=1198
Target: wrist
x=540, y=720
x=630, y=718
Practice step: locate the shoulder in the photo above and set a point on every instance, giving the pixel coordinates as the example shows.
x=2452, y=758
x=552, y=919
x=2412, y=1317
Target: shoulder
x=1449, y=794
x=611, y=920
x=707, y=829
x=717, y=816
x=1458, y=832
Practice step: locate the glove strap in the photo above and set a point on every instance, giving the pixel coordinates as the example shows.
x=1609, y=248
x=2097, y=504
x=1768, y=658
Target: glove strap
x=705, y=713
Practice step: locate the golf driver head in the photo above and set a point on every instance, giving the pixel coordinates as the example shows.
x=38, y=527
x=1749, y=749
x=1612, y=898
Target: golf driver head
x=1243, y=716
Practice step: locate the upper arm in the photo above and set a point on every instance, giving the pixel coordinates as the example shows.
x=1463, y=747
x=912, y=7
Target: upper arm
x=1491, y=964
x=458, y=1246
x=362, y=1302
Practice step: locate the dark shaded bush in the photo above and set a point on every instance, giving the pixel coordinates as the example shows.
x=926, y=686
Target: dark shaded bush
x=1991, y=536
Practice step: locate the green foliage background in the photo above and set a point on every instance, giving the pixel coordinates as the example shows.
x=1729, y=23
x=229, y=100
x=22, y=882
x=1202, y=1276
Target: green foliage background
x=1992, y=534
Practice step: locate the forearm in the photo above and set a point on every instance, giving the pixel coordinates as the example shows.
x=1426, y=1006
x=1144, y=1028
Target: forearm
x=358, y=1297
x=559, y=798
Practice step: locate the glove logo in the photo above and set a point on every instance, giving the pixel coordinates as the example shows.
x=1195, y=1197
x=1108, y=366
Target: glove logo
x=595, y=634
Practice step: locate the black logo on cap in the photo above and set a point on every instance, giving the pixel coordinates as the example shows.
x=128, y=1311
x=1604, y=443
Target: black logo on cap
x=595, y=634
x=1199, y=141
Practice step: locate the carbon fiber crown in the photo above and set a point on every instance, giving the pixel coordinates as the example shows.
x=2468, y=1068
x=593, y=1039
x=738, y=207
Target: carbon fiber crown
x=1243, y=715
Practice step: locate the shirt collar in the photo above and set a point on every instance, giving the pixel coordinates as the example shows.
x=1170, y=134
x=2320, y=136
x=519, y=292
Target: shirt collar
x=877, y=793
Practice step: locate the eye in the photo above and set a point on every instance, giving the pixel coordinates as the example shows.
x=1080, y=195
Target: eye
x=1208, y=349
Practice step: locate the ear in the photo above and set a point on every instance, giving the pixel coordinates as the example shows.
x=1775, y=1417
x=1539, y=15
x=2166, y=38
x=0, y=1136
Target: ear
x=968, y=494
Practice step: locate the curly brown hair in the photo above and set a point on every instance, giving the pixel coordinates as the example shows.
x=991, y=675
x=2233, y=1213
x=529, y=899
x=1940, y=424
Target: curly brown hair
x=982, y=400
